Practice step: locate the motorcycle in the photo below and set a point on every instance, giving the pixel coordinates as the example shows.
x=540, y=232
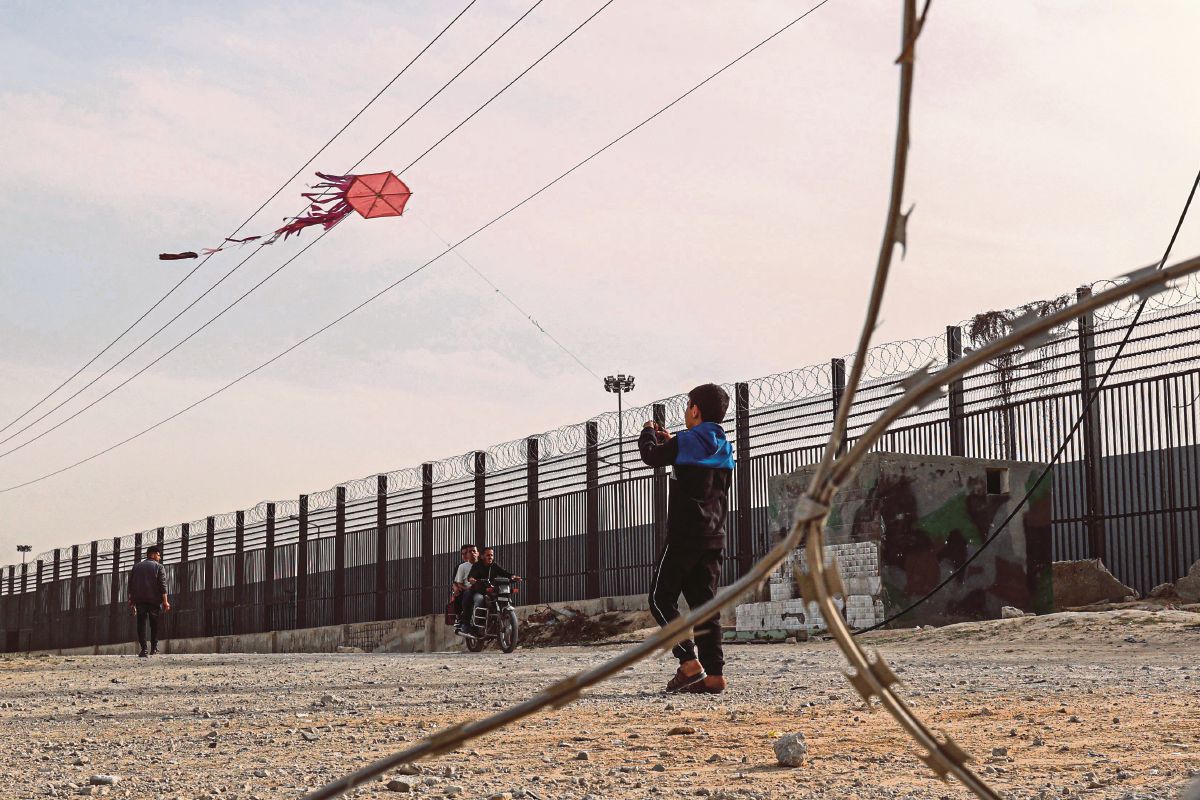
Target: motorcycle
x=494, y=620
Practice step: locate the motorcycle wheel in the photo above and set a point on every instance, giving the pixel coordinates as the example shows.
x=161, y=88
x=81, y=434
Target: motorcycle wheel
x=508, y=632
x=475, y=644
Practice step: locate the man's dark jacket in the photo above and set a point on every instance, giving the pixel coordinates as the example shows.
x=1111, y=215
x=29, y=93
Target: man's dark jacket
x=147, y=582
x=481, y=571
x=698, y=501
x=485, y=572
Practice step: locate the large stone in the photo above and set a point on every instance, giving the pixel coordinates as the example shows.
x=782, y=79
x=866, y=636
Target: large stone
x=1188, y=588
x=791, y=749
x=1082, y=583
x=1164, y=591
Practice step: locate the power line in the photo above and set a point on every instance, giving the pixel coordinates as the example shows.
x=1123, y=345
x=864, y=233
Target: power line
x=1062, y=447
x=419, y=269
x=235, y=232
x=254, y=252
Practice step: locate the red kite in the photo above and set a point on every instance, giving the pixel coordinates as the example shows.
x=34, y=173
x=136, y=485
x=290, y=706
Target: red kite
x=380, y=194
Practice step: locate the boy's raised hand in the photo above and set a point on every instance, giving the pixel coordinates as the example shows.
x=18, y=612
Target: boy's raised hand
x=659, y=431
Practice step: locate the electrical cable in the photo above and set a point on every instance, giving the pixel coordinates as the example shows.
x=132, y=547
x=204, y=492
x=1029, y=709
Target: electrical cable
x=238, y=229
x=1092, y=395
x=254, y=252
x=417, y=270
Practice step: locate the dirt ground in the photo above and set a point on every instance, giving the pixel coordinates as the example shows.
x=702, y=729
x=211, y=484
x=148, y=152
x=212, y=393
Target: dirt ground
x=1098, y=705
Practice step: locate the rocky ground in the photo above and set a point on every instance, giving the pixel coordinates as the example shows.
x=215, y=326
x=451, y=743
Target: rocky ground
x=1097, y=705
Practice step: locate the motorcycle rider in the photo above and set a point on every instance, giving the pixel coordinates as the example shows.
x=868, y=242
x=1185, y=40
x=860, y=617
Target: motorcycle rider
x=470, y=554
x=481, y=573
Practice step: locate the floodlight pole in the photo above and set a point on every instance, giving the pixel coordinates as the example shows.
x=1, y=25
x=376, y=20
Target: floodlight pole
x=620, y=384
x=23, y=549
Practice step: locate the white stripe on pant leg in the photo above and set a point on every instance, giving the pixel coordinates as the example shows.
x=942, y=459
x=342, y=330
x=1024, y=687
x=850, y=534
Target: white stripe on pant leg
x=662, y=618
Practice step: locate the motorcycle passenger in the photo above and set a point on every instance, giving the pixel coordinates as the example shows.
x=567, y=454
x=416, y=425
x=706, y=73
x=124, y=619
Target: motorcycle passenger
x=480, y=575
x=470, y=554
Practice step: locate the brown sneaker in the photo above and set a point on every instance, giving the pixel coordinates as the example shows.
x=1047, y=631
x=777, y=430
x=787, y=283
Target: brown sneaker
x=702, y=687
x=682, y=680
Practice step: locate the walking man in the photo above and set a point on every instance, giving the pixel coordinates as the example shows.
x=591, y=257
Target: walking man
x=148, y=597
x=701, y=459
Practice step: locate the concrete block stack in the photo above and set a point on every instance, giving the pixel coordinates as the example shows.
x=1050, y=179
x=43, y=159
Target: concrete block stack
x=901, y=525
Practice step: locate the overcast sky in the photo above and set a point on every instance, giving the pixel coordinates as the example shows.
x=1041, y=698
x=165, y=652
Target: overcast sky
x=1053, y=145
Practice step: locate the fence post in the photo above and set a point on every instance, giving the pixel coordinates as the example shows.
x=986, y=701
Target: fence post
x=239, y=571
x=268, y=594
x=591, y=535
x=8, y=645
x=1093, y=504
x=659, y=483
x=743, y=475
x=302, y=564
x=114, y=592
x=210, y=554
x=427, y=538
x=137, y=548
x=90, y=601
x=54, y=603
x=160, y=540
x=958, y=429
x=837, y=372
x=38, y=616
x=480, y=500
x=54, y=599
x=339, y=557
x=23, y=600
x=183, y=591
x=72, y=606
x=533, y=524
x=381, y=547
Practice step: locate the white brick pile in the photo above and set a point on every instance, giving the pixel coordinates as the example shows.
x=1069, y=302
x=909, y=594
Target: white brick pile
x=863, y=607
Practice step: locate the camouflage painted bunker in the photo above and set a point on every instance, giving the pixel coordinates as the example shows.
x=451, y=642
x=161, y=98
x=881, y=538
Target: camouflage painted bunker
x=903, y=524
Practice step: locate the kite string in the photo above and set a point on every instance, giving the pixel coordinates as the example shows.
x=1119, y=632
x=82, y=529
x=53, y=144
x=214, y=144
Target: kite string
x=942, y=757
x=454, y=249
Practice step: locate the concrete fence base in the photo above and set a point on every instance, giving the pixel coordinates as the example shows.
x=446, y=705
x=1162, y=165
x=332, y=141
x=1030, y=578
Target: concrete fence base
x=427, y=634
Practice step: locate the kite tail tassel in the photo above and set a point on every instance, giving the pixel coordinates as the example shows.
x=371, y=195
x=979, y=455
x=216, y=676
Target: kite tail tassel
x=326, y=219
x=328, y=206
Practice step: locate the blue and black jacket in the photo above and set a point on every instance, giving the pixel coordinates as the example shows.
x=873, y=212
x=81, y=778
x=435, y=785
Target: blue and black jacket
x=698, y=501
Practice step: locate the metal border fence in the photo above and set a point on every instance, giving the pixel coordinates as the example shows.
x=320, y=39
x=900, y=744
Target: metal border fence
x=560, y=511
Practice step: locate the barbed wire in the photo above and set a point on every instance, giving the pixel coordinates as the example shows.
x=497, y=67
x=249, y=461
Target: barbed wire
x=872, y=678
x=883, y=362
x=1185, y=292
x=870, y=675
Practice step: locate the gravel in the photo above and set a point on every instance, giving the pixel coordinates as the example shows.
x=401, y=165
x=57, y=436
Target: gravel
x=232, y=727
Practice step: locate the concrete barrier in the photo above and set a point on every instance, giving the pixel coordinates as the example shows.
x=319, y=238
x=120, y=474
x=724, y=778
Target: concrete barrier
x=426, y=634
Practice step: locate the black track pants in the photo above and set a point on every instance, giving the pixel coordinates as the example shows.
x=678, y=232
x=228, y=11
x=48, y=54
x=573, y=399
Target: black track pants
x=148, y=611
x=694, y=573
